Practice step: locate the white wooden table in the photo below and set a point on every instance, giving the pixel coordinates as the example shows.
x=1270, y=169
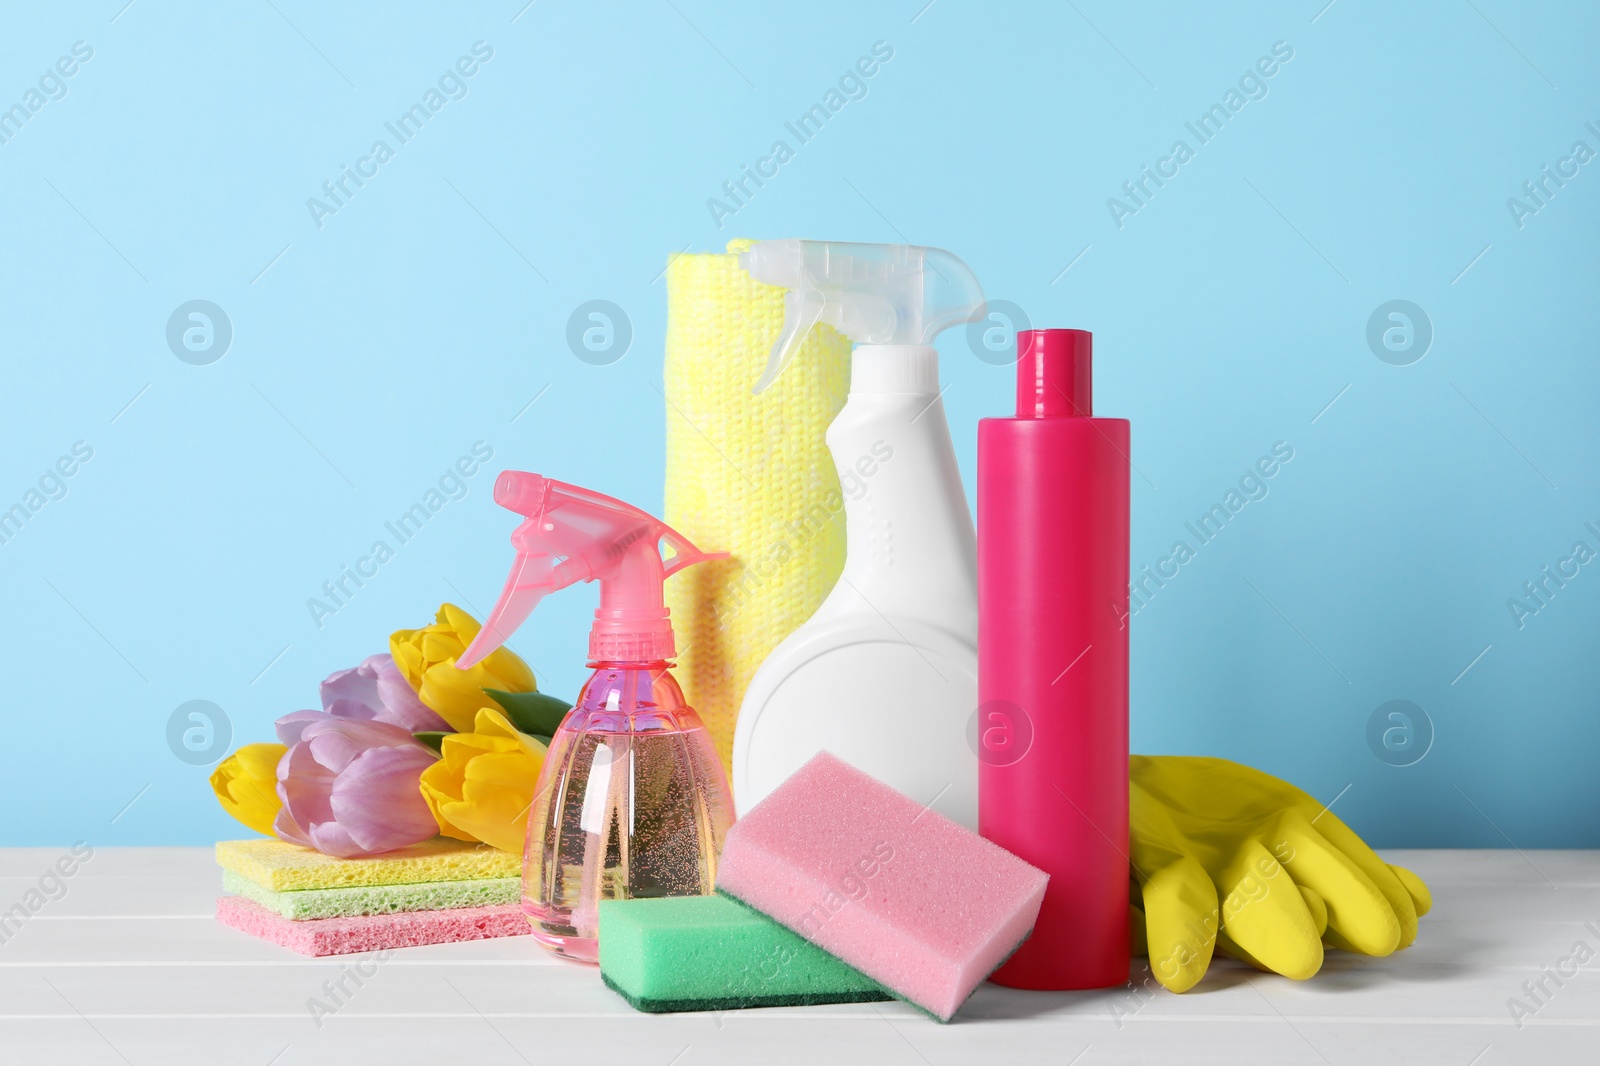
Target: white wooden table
x=128, y=966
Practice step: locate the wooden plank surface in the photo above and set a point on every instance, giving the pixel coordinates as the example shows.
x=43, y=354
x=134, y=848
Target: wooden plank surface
x=125, y=964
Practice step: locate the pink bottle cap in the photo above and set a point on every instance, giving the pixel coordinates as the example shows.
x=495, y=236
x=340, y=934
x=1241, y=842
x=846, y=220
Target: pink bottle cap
x=1055, y=373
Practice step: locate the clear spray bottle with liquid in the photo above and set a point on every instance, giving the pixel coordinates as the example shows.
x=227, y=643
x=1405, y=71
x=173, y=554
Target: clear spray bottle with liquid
x=632, y=800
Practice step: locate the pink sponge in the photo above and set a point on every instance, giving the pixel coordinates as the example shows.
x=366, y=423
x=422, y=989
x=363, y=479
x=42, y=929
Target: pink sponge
x=371, y=932
x=916, y=902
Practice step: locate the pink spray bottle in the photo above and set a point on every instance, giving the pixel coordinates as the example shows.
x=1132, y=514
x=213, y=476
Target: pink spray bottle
x=1053, y=660
x=632, y=800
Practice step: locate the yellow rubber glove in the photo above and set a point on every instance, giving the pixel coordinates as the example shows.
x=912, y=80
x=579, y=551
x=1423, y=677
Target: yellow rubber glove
x=1289, y=875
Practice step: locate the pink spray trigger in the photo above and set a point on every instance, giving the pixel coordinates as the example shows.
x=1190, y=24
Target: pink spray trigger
x=572, y=534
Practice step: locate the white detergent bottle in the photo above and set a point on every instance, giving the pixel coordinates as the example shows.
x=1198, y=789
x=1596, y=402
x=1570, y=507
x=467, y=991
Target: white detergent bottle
x=885, y=674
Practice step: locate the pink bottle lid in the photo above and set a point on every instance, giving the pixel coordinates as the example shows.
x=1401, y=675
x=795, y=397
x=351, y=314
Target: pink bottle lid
x=1055, y=373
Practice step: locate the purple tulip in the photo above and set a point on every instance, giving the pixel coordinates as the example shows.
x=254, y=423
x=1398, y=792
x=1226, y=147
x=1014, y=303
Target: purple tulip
x=350, y=787
x=376, y=691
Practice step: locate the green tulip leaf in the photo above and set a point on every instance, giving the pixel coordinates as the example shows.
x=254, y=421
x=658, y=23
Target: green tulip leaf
x=433, y=739
x=533, y=713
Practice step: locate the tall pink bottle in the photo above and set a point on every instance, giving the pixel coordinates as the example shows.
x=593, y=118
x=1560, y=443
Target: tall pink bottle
x=1053, y=660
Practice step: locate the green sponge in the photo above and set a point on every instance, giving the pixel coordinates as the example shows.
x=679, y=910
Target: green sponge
x=685, y=953
x=312, y=903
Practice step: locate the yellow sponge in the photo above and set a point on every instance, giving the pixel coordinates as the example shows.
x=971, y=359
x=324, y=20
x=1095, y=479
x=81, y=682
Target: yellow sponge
x=750, y=475
x=283, y=867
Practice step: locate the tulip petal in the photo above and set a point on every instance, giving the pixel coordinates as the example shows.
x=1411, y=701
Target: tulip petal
x=498, y=794
x=455, y=694
x=407, y=656
x=441, y=789
x=512, y=673
x=400, y=701
x=437, y=646
x=303, y=786
x=334, y=749
x=353, y=709
x=260, y=761
x=426, y=659
x=492, y=722
x=358, y=685
x=459, y=621
x=331, y=838
x=290, y=727
x=284, y=828
x=449, y=828
x=496, y=828
x=378, y=691
x=245, y=785
x=484, y=783
x=337, y=741
x=512, y=771
x=377, y=800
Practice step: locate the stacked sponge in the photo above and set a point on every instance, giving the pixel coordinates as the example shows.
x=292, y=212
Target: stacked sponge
x=436, y=892
x=835, y=888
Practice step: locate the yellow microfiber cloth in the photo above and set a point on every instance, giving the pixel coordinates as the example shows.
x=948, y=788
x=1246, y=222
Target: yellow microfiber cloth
x=283, y=867
x=749, y=475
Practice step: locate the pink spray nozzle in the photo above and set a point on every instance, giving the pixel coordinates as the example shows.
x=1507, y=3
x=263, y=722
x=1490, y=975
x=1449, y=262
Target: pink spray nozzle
x=572, y=534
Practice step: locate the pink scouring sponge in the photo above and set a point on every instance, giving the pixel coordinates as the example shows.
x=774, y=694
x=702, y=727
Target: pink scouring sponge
x=371, y=932
x=919, y=904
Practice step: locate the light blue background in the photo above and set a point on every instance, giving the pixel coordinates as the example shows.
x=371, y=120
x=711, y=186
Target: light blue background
x=370, y=353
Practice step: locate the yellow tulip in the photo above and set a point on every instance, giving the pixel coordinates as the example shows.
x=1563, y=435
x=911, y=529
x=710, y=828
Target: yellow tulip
x=246, y=784
x=427, y=658
x=482, y=785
